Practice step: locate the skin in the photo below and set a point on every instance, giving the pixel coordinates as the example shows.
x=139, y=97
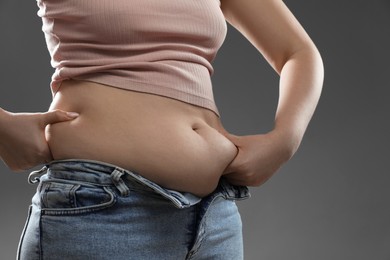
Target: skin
x=21, y=149
x=293, y=55
x=278, y=36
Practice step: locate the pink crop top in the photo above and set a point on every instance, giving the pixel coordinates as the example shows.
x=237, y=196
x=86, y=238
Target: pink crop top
x=164, y=47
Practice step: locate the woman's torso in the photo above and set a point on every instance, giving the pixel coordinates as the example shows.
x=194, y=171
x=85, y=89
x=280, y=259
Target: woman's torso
x=175, y=144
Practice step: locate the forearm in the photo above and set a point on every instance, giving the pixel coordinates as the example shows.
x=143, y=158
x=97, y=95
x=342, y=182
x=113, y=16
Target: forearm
x=301, y=80
x=3, y=117
x=2, y=113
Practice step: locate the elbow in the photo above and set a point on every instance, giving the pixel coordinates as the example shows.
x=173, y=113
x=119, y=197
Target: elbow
x=306, y=54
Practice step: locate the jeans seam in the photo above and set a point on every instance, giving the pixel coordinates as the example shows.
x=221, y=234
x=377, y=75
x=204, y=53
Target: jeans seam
x=40, y=236
x=81, y=210
x=24, y=232
x=201, y=227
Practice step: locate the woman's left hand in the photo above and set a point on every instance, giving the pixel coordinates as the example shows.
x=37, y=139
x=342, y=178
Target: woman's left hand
x=258, y=158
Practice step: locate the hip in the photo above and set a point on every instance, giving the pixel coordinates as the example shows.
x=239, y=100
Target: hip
x=85, y=209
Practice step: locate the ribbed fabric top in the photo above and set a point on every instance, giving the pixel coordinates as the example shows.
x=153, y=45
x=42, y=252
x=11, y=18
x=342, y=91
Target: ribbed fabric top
x=164, y=47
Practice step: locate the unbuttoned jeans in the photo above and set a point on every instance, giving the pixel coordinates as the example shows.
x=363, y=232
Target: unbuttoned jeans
x=86, y=209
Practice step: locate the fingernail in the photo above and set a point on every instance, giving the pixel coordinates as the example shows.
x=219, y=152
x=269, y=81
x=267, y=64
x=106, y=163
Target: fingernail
x=72, y=114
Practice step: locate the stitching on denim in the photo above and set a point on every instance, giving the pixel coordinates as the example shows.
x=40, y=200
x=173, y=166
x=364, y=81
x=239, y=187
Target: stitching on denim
x=201, y=230
x=24, y=232
x=82, y=210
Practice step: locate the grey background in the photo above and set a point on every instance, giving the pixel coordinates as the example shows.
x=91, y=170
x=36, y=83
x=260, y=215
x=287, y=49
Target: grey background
x=331, y=201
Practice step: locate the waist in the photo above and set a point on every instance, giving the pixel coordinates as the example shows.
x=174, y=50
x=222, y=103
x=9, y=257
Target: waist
x=175, y=144
x=103, y=174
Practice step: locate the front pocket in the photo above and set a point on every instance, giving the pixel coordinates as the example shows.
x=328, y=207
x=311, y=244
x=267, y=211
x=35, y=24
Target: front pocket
x=62, y=198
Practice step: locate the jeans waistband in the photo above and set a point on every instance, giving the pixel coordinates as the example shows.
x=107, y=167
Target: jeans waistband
x=102, y=173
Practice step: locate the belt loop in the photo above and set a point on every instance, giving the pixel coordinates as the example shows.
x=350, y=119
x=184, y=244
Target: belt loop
x=116, y=177
x=34, y=176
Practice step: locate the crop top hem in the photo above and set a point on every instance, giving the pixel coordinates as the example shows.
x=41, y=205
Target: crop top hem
x=151, y=46
x=132, y=85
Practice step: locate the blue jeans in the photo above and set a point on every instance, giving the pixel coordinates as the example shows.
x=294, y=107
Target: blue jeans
x=85, y=209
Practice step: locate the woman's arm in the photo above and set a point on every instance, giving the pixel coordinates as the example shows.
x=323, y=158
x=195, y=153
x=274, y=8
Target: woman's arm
x=274, y=31
x=22, y=139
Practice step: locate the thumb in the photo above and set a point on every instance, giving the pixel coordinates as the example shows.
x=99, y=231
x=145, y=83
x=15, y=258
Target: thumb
x=234, y=163
x=57, y=115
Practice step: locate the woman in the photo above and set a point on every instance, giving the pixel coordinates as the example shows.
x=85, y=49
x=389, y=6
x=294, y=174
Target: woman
x=142, y=168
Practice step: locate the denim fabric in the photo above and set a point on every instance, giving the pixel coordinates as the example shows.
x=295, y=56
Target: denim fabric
x=85, y=209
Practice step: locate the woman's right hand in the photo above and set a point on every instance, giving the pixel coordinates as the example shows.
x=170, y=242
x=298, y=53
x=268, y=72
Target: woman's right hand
x=22, y=137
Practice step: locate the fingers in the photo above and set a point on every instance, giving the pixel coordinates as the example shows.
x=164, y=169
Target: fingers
x=236, y=162
x=235, y=181
x=57, y=115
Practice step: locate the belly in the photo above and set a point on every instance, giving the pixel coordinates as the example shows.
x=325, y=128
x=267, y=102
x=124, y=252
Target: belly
x=175, y=144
